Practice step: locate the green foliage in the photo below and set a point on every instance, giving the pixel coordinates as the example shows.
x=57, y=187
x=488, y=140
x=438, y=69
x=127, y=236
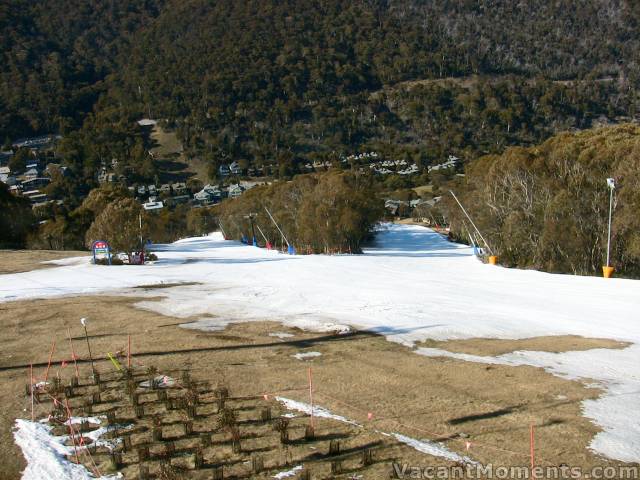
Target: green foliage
x=56, y=56
x=16, y=219
x=200, y=221
x=105, y=261
x=99, y=198
x=547, y=206
x=327, y=212
x=118, y=224
x=18, y=162
x=281, y=83
x=278, y=84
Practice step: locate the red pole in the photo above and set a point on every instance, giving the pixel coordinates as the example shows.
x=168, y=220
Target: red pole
x=73, y=354
x=311, y=395
x=73, y=437
x=129, y=352
x=532, y=443
x=31, y=385
x=53, y=347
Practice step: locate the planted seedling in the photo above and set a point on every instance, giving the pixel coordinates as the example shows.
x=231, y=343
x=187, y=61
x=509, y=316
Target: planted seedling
x=281, y=425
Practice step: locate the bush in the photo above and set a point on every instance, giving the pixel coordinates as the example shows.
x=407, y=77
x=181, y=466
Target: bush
x=151, y=257
x=104, y=261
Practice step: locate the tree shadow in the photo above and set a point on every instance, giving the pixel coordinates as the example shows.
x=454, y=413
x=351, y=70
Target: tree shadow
x=299, y=343
x=418, y=242
x=484, y=416
x=218, y=261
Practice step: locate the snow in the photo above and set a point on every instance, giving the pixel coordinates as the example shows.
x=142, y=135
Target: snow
x=146, y=122
x=281, y=335
x=288, y=473
x=616, y=370
x=424, y=446
x=317, y=410
x=432, y=448
x=45, y=453
x=306, y=355
x=161, y=381
x=409, y=286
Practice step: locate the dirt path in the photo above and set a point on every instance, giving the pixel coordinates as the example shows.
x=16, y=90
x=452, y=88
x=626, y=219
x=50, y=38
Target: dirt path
x=425, y=398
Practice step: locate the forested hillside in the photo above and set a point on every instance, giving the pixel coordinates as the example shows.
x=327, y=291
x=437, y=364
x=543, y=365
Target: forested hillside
x=547, y=207
x=291, y=85
x=282, y=82
x=56, y=55
x=286, y=82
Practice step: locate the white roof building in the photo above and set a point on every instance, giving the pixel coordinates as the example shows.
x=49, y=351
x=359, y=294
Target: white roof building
x=153, y=205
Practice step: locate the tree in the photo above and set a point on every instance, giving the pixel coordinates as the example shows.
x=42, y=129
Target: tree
x=546, y=207
x=18, y=162
x=99, y=198
x=332, y=211
x=16, y=219
x=119, y=225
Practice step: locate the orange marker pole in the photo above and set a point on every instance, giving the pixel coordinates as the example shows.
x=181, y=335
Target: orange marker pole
x=71, y=431
x=532, y=443
x=53, y=348
x=311, y=395
x=73, y=353
x=129, y=352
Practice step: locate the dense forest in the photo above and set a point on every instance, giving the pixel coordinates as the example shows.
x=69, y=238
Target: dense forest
x=16, y=219
x=284, y=84
x=56, y=57
x=547, y=207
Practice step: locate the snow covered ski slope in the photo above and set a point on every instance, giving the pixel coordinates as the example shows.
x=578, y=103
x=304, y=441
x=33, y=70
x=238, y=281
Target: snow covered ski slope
x=410, y=285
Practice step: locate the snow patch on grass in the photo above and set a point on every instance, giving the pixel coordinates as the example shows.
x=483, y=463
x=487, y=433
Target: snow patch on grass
x=615, y=371
x=306, y=355
x=410, y=285
x=317, y=411
x=288, y=473
x=432, y=448
x=281, y=335
x=45, y=453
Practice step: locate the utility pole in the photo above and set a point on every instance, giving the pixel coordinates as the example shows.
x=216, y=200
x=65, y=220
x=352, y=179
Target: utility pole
x=141, y=240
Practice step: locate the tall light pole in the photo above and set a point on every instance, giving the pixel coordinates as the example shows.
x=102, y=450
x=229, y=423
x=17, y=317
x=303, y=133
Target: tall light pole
x=608, y=270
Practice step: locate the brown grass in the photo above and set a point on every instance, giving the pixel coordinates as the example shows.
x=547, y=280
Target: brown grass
x=16, y=261
x=170, y=147
x=493, y=347
x=427, y=398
